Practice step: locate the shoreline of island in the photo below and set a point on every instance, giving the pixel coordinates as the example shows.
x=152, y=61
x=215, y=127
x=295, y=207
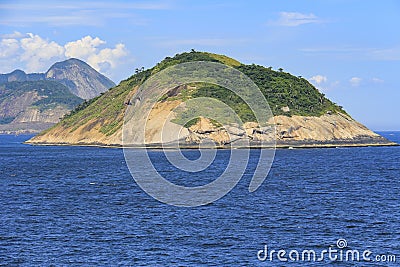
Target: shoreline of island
x=307, y=144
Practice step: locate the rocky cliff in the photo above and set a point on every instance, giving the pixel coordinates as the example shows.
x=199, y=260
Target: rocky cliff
x=82, y=80
x=303, y=116
x=33, y=106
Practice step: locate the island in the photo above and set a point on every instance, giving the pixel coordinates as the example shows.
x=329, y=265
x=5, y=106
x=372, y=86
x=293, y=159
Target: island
x=302, y=115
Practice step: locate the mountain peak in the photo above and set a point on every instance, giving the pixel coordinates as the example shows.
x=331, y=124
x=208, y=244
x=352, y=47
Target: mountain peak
x=71, y=61
x=80, y=77
x=17, y=71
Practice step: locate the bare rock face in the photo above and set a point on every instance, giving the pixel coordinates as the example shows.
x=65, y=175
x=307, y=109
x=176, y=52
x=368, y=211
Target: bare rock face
x=203, y=126
x=205, y=129
x=33, y=106
x=34, y=115
x=235, y=130
x=324, y=128
x=285, y=109
x=22, y=109
x=82, y=80
x=17, y=104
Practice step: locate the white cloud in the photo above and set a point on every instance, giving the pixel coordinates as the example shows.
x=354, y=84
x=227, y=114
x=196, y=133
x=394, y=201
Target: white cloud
x=83, y=48
x=389, y=54
x=293, y=19
x=13, y=35
x=8, y=47
x=377, y=80
x=38, y=52
x=107, y=58
x=321, y=83
x=318, y=79
x=77, y=13
x=355, y=81
x=87, y=49
x=32, y=53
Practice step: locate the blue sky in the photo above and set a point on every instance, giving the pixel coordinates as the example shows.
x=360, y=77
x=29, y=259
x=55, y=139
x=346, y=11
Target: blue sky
x=348, y=49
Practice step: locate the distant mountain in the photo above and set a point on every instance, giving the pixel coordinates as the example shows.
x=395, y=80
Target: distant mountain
x=21, y=76
x=35, y=101
x=81, y=79
x=303, y=116
x=32, y=106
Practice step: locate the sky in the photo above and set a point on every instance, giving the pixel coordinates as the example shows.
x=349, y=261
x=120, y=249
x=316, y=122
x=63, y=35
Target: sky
x=350, y=50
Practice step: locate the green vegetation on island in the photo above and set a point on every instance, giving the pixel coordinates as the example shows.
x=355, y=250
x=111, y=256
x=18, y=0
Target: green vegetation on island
x=286, y=94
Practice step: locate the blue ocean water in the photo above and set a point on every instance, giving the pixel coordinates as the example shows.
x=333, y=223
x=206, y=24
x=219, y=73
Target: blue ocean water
x=80, y=206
